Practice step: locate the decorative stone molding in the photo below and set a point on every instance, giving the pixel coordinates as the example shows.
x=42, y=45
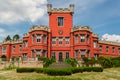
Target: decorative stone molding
x=41, y=27
x=80, y=28
x=109, y=42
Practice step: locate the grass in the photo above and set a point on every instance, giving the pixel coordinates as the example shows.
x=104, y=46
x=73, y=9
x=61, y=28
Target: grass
x=107, y=74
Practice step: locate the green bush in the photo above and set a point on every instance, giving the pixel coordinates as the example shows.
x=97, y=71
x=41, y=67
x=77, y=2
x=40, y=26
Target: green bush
x=21, y=70
x=48, y=61
x=72, y=61
x=57, y=72
x=61, y=71
x=89, y=62
x=105, y=62
x=116, y=61
x=97, y=69
x=77, y=70
x=39, y=70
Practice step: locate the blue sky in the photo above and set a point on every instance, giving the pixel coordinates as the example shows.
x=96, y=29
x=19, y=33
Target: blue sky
x=103, y=16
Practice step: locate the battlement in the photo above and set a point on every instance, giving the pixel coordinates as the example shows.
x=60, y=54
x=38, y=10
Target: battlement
x=95, y=35
x=6, y=42
x=60, y=10
x=84, y=28
x=41, y=27
x=109, y=42
x=26, y=35
x=12, y=42
x=17, y=41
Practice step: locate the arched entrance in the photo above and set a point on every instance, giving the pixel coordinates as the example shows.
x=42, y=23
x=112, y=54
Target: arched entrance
x=60, y=56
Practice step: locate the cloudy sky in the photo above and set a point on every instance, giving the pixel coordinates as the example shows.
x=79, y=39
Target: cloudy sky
x=17, y=16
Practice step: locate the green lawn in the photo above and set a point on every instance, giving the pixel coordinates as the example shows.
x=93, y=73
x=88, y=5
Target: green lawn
x=108, y=74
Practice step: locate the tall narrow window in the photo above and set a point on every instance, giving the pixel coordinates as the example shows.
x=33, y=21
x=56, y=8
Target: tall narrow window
x=67, y=55
x=45, y=39
x=60, y=40
x=67, y=39
x=32, y=38
x=3, y=49
x=82, y=38
x=119, y=50
x=76, y=38
x=95, y=44
x=76, y=54
x=100, y=48
x=53, y=55
x=13, y=48
x=25, y=44
x=53, y=40
x=113, y=49
x=38, y=53
x=107, y=48
x=38, y=38
x=20, y=48
x=60, y=21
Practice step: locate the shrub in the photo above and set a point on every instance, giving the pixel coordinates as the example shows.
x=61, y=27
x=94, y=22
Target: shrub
x=21, y=70
x=61, y=71
x=57, y=72
x=87, y=69
x=105, y=62
x=97, y=69
x=116, y=61
x=39, y=70
x=72, y=61
x=48, y=61
x=89, y=62
x=77, y=70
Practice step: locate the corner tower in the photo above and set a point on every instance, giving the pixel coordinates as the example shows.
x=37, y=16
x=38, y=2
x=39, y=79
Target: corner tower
x=60, y=23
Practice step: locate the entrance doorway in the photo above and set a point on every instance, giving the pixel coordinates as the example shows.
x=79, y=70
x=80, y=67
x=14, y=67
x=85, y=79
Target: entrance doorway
x=60, y=56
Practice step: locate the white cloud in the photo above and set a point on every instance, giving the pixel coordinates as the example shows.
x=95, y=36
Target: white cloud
x=12, y=11
x=113, y=37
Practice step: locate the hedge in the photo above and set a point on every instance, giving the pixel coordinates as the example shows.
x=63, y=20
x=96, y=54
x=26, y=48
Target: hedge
x=60, y=72
x=21, y=70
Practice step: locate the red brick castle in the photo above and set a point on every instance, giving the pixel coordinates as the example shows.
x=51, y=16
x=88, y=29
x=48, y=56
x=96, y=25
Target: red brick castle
x=59, y=40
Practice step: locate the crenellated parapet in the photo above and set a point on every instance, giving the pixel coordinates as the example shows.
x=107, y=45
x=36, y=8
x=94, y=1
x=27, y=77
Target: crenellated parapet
x=95, y=35
x=60, y=10
x=41, y=27
x=12, y=42
x=17, y=41
x=80, y=28
x=109, y=42
x=6, y=42
x=26, y=35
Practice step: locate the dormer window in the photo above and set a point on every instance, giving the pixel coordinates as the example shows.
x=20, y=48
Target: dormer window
x=60, y=21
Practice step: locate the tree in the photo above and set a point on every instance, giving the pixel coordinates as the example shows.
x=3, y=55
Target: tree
x=8, y=38
x=16, y=37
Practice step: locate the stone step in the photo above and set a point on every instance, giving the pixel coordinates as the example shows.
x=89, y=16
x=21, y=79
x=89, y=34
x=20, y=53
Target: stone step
x=59, y=65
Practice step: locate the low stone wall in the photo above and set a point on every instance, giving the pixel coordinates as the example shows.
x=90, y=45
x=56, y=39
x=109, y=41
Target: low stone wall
x=31, y=64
